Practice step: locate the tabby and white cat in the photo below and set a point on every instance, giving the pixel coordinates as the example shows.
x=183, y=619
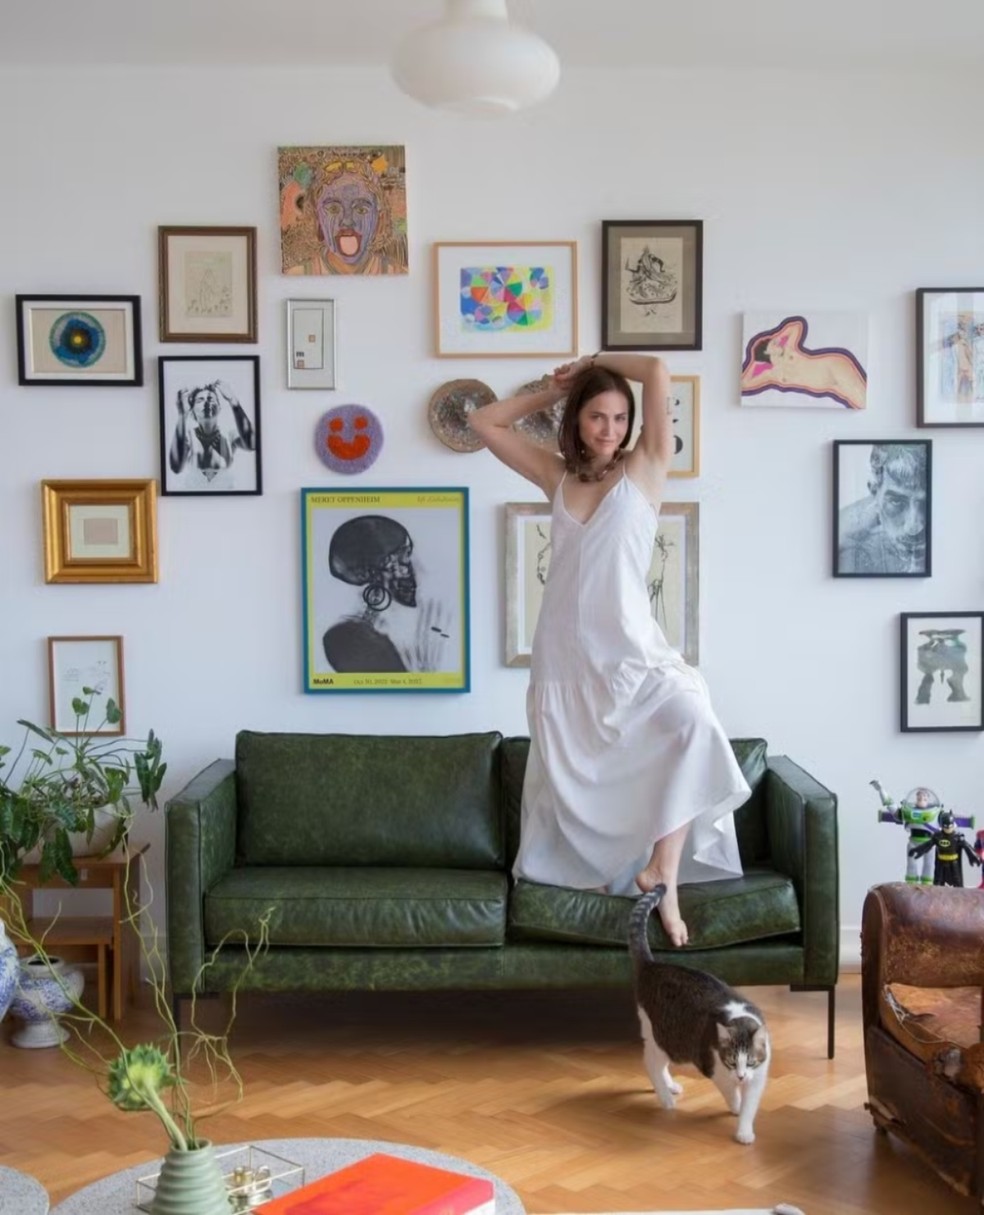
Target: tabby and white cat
x=688, y=1016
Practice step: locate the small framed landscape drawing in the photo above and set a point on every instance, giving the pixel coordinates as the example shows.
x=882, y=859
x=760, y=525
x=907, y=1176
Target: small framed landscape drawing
x=311, y=344
x=883, y=497
x=87, y=670
x=508, y=299
x=79, y=339
x=685, y=414
x=99, y=531
x=942, y=674
x=385, y=590
x=672, y=580
x=210, y=424
x=651, y=284
x=207, y=284
x=950, y=356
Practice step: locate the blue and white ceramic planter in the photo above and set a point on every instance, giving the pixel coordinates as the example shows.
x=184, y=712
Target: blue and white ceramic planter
x=44, y=991
x=9, y=970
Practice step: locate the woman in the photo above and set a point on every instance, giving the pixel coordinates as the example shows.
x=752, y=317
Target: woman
x=627, y=760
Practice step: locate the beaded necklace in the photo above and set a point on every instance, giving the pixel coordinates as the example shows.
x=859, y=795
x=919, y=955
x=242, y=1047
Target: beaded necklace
x=600, y=476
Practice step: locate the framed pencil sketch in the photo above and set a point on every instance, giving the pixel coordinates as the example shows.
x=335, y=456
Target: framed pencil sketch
x=86, y=669
x=207, y=284
x=882, y=525
x=942, y=675
x=385, y=591
x=99, y=531
x=950, y=356
x=79, y=339
x=651, y=284
x=311, y=344
x=210, y=424
x=685, y=411
x=672, y=581
x=505, y=299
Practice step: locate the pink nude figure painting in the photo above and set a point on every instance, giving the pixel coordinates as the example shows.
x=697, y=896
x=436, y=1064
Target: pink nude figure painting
x=789, y=360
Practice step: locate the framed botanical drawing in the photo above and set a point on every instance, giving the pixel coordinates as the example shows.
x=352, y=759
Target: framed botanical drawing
x=942, y=673
x=672, y=580
x=99, y=531
x=950, y=356
x=385, y=590
x=79, y=339
x=86, y=670
x=311, y=344
x=651, y=284
x=685, y=412
x=210, y=424
x=207, y=284
x=505, y=298
x=883, y=497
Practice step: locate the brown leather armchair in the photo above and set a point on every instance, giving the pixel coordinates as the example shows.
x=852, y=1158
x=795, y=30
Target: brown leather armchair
x=922, y=966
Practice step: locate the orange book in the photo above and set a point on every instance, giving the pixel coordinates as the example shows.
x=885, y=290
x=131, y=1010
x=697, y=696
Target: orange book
x=388, y=1185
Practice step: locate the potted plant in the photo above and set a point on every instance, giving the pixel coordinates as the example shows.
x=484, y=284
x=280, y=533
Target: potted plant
x=73, y=787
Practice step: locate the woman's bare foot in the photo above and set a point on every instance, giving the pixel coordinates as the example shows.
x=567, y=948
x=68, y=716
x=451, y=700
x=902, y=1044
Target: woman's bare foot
x=668, y=906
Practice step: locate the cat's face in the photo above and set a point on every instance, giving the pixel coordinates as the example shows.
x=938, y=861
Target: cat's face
x=742, y=1052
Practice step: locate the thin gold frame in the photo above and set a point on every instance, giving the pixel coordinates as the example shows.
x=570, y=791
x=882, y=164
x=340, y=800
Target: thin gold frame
x=59, y=498
x=694, y=469
x=167, y=334
x=116, y=644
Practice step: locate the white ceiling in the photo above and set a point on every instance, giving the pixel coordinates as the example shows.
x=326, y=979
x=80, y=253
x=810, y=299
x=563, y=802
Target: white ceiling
x=909, y=34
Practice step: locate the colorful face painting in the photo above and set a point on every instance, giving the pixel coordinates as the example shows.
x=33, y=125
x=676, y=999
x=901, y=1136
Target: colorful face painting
x=343, y=210
x=348, y=438
x=793, y=361
x=494, y=298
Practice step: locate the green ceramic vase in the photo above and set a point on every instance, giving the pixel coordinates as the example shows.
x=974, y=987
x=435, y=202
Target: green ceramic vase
x=191, y=1183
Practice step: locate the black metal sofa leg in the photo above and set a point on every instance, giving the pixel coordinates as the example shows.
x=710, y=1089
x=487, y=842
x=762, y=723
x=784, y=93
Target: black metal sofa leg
x=831, y=1010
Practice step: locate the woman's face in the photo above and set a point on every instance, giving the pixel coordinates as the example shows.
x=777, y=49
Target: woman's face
x=347, y=215
x=603, y=423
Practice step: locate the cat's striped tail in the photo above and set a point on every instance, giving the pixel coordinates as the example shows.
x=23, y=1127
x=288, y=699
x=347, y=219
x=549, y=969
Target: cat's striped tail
x=639, y=925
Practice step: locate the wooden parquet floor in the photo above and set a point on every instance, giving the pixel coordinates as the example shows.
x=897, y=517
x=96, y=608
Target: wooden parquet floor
x=546, y=1090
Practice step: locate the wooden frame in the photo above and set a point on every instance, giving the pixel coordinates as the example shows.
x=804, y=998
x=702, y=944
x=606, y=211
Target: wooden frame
x=882, y=508
x=78, y=663
x=685, y=409
x=385, y=590
x=942, y=678
x=78, y=340
x=651, y=284
x=207, y=284
x=950, y=356
x=99, y=531
x=311, y=344
x=478, y=308
x=673, y=582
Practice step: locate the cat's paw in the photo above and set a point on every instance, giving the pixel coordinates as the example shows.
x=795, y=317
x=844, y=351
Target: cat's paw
x=675, y=1087
x=744, y=1135
x=665, y=1097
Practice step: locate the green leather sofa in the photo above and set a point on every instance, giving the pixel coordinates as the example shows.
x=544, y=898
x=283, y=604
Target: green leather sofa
x=386, y=861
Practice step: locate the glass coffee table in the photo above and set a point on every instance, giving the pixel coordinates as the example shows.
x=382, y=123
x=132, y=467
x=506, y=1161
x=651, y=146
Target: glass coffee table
x=116, y=1194
x=20, y=1194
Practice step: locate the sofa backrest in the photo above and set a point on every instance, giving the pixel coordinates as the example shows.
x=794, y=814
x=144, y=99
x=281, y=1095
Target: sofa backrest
x=362, y=799
x=753, y=839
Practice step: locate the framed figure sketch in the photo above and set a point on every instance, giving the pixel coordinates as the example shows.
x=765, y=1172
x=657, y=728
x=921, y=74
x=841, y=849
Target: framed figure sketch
x=651, y=284
x=882, y=508
x=942, y=672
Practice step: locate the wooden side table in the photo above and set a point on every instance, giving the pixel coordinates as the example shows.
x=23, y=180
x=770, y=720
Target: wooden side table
x=108, y=940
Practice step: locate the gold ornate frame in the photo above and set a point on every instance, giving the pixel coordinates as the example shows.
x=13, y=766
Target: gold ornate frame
x=100, y=531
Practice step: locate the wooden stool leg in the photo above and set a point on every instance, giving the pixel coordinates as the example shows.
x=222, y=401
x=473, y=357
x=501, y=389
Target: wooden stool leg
x=102, y=980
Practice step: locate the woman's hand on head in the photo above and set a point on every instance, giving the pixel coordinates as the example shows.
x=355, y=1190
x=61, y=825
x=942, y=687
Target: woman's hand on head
x=566, y=372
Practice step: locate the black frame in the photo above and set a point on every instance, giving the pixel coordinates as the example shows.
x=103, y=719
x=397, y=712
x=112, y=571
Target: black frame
x=978, y=690
x=611, y=229
x=81, y=380
x=927, y=566
x=167, y=476
x=921, y=294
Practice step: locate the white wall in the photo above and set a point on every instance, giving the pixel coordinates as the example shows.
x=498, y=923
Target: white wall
x=816, y=191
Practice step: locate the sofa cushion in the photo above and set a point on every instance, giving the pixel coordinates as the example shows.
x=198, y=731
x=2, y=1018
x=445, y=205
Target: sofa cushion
x=733, y=911
x=349, y=799
x=365, y=907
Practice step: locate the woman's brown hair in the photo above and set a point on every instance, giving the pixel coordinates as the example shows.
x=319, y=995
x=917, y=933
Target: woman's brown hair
x=591, y=382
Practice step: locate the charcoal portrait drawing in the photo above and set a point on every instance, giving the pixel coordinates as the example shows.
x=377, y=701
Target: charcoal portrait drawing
x=886, y=529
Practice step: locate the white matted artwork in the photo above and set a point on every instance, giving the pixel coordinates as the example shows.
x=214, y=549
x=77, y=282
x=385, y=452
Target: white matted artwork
x=88, y=669
x=685, y=416
x=673, y=577
x=805, y=359
x=942, y=671
x=311, y=344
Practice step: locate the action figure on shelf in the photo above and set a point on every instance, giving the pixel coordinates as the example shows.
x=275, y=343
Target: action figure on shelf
x=979, y=849
x=917, y=813
x=949, y=844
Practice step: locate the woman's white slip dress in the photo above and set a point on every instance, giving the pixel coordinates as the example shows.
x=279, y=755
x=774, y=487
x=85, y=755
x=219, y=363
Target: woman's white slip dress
x=624, y=744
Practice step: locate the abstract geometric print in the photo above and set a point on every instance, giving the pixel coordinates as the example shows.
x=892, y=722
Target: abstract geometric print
x=503, y=297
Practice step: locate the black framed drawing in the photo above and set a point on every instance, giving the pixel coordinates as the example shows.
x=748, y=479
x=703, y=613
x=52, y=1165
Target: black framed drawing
x=941, y=671
x=950, y=356
x=210, y=424
x=883, y=493
x=651, y=284
x=79, y=339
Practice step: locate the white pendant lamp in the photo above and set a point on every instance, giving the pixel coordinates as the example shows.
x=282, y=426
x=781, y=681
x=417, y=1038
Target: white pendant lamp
x=476, y=62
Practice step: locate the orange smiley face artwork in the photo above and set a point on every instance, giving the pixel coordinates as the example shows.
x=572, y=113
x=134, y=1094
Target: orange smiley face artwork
x=348, y=438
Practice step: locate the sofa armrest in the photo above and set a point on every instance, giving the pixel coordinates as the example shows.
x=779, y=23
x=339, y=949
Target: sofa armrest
x=801, y=818
x=200, y=835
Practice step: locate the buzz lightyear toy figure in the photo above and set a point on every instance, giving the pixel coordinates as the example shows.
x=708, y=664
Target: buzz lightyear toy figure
x=918, y=813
